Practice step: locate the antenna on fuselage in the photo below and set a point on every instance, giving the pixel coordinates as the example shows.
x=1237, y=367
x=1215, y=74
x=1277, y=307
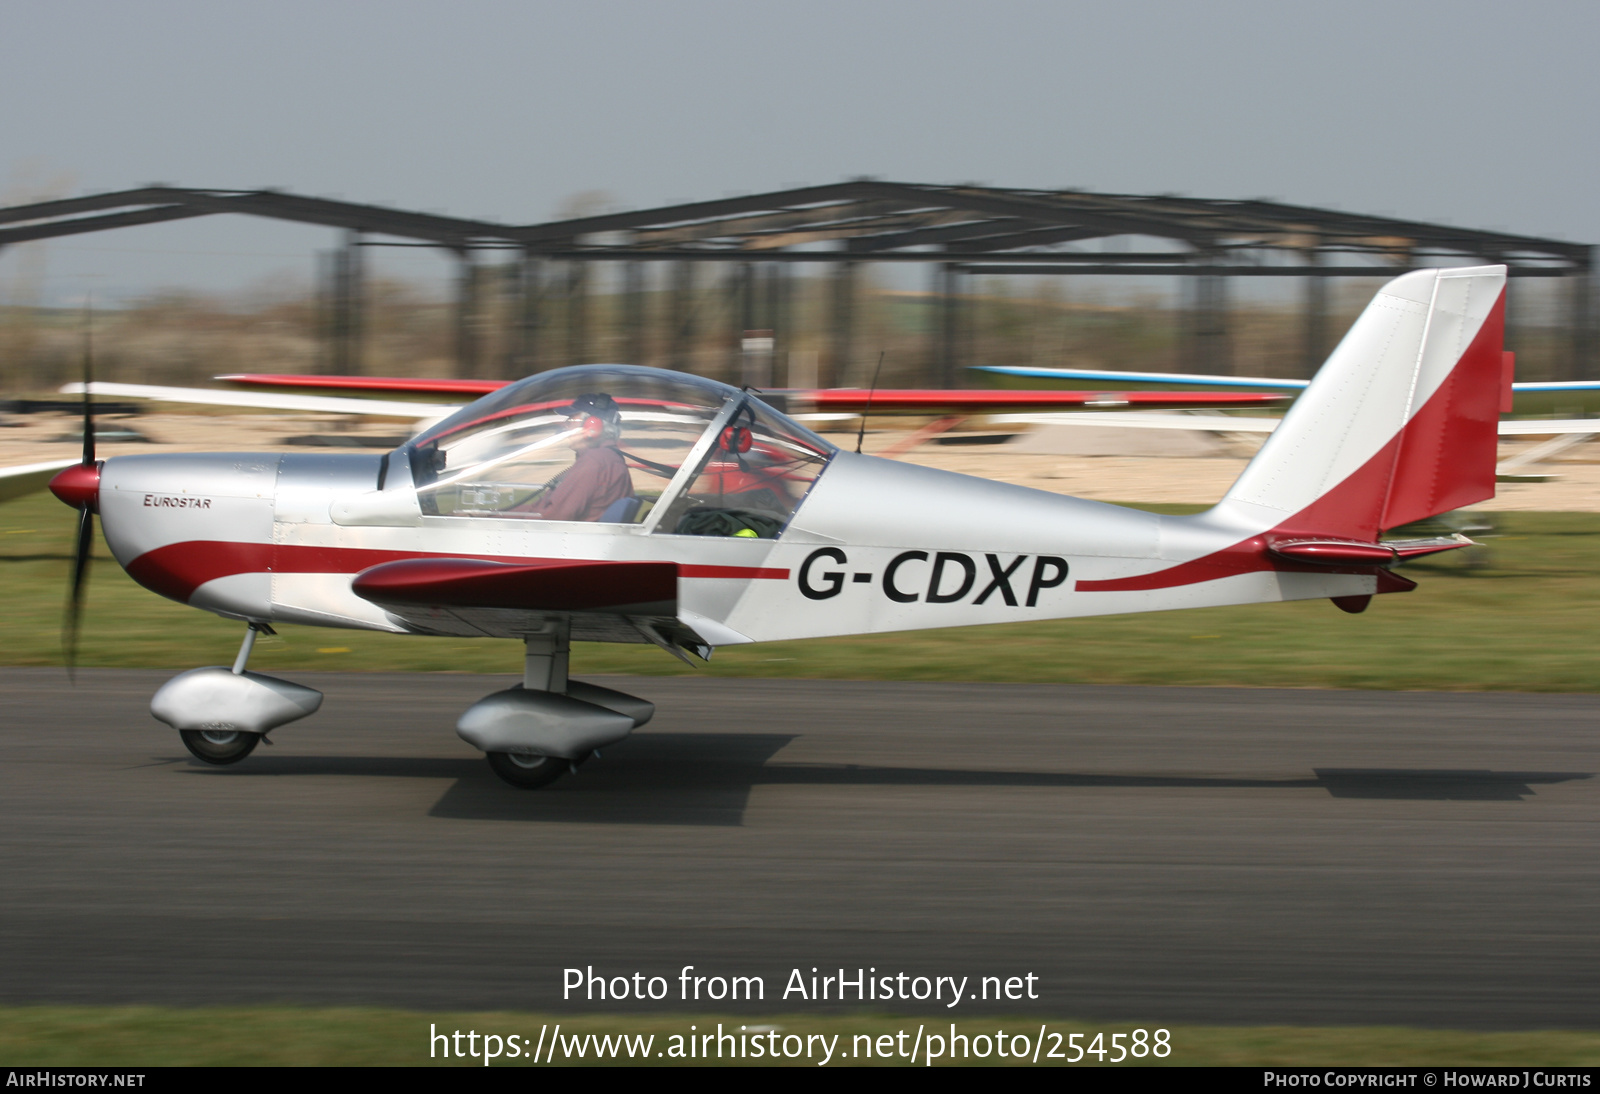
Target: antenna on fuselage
x=862, y=432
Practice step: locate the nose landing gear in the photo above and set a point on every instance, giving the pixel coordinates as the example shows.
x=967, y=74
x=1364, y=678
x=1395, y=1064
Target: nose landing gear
x=222, y=713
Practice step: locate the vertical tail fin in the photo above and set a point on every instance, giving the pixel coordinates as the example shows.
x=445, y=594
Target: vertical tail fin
x=1399, y=424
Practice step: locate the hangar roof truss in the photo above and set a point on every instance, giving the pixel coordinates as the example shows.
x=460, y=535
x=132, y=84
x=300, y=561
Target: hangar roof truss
x=981, y=228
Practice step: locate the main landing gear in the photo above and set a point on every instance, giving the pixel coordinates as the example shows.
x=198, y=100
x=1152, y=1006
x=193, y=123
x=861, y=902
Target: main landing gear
x=537, y=732
x=527, y=770
x=219, y=746
x=531, y=734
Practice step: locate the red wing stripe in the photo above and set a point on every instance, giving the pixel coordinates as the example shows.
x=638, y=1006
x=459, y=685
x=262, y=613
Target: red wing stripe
x=736, y=572
x=916, y=399
x=419, y=386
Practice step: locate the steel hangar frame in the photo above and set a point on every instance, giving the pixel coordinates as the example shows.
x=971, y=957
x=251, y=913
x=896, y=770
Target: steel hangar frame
x=956, y=231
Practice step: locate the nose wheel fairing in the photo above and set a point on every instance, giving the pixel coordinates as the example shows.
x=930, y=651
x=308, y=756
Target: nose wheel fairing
x=218, y=700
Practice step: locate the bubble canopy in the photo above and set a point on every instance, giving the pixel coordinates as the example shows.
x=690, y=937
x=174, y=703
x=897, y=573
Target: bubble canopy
x=674, y=453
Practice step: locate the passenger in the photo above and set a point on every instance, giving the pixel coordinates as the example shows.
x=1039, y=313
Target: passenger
x=599, y=474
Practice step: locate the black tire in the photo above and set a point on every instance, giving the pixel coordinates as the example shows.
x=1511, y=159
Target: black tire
x=216, y=746
x=527, y=771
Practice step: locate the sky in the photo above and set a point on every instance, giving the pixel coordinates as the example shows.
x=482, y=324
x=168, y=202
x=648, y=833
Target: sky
x=1467, y=112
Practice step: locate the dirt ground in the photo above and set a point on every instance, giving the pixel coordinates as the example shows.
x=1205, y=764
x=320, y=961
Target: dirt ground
x=34, y=438
x=1201, y=480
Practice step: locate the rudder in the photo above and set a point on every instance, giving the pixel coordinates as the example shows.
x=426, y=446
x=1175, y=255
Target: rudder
x=1400, y=423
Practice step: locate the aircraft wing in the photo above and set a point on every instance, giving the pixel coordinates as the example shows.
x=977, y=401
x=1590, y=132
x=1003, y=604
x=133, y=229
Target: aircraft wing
x=1118, y=378
x=389, y=385
x=834, y=399
x=1219, y=423
x=323, y=404
x=1133, y=419
x=823, y=400
x=1555, y=397
x=29, y=477
x=1138, y=380
x=1540, y=427
x=1104, y=387
x=935, y=400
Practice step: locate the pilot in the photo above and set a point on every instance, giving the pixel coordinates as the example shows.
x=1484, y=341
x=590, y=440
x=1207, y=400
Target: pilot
x=598, y=477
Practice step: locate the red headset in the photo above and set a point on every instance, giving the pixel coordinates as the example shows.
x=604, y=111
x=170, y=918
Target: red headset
x=592, y=426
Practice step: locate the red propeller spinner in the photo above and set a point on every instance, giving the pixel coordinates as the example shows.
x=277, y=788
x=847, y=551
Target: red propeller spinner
x=79, y=486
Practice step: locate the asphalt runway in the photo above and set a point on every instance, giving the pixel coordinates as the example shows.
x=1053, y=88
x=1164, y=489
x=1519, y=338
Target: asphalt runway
x=1150, y=854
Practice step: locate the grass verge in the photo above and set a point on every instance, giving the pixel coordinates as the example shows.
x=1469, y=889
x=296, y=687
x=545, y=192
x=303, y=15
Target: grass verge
x=166, y=1036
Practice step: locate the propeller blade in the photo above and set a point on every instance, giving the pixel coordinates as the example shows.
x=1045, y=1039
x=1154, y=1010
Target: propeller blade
x=80, y=579
x=88, y=380
x=85, y=544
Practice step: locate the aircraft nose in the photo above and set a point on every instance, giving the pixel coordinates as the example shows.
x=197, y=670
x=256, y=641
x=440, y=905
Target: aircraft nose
x=79, y=486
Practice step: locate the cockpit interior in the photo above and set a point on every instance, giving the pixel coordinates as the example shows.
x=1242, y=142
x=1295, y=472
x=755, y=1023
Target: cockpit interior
x=618, y=444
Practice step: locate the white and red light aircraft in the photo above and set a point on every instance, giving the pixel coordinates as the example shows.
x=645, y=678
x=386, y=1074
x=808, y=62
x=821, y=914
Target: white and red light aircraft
x=718, y=520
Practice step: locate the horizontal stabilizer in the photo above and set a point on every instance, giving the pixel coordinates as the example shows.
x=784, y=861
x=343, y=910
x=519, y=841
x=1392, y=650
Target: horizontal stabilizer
x=1331, y=552
x=1346, y=553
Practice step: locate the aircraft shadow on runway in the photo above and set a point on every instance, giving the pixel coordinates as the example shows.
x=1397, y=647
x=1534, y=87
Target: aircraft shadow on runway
x=1439, y=785
x=706, y=779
